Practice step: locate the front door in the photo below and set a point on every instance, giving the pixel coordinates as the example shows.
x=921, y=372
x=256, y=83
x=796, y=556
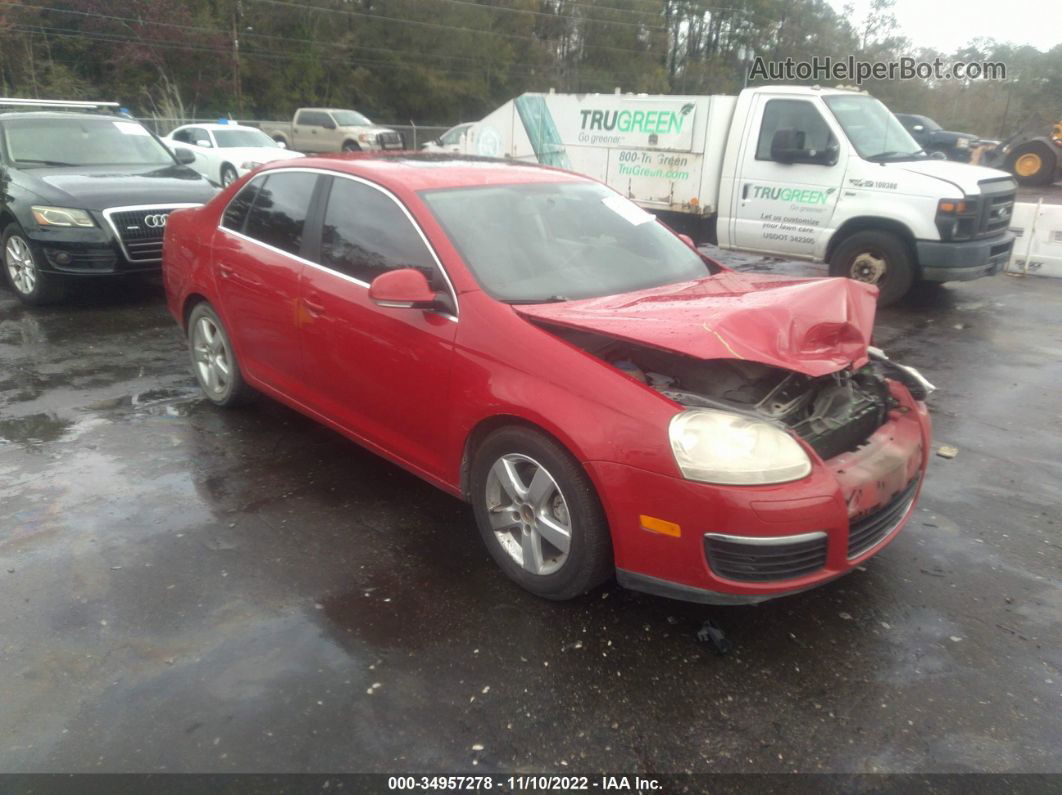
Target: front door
x=381, y=373
x=784, y=205
x=258, y=268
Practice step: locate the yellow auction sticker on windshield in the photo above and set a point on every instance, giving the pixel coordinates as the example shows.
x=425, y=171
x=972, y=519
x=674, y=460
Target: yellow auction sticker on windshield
x=129, y=128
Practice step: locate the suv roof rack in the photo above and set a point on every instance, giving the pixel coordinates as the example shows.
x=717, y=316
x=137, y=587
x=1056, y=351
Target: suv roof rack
x=77, y=104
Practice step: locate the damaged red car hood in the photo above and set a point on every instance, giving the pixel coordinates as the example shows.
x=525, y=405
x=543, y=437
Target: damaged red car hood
x=812, y=326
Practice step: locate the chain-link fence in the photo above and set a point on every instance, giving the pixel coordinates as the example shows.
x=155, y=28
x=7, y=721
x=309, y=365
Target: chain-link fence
x=413, y=135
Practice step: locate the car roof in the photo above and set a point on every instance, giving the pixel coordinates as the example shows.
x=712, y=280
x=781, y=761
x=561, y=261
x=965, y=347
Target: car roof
x=215, y=126
x=428, y=170
x=60, y=114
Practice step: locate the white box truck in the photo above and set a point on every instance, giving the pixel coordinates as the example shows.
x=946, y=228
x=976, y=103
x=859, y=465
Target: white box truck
x=794, y=171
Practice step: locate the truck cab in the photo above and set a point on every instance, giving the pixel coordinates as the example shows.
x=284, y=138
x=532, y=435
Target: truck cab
x=832, y=175
x=333, y=130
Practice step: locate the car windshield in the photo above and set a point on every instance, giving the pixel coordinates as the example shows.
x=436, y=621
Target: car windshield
x=873, y=130
x=540, y=242
x=228, y=139
x=350, y=118
x=50, y=141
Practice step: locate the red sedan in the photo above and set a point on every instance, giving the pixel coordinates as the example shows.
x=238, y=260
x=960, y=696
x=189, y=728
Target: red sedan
x=610, y=401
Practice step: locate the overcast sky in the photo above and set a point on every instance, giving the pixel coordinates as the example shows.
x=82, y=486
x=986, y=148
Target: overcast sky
x=949, y=24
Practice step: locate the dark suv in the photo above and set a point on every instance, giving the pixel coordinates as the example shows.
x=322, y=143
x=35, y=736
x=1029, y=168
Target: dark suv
x=85, y=194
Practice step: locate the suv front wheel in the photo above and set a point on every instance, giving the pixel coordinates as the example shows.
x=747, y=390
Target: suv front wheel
x=23, y=274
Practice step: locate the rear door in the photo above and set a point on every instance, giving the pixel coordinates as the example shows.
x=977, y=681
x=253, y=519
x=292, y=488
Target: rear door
x=383, y=374
x=786, y=207
x=258, y=264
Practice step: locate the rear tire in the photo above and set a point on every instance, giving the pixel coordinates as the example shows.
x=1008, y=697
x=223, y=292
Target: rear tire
x=20, y=261
x=1033, y=163
x=539, y=515
x=878, y=258
x=214, y=360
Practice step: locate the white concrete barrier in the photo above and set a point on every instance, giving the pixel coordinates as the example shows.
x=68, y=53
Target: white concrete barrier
x=1038, y=248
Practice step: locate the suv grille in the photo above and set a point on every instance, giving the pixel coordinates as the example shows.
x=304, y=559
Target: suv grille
x=753, y=560
x=996, y=207
x=390, y=140
x=865, y=532
x=140, y=230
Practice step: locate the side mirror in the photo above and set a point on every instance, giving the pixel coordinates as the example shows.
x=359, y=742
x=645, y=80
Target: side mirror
x=404, y=288
x=280, y=142
x=688, y=241
x=937, y=155
x=183, y=156
x=329, y=125
x=203, y=142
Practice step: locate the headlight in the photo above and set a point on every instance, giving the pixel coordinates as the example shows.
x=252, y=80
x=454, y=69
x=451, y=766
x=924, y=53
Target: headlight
x=962, y=143
x=366, y=138
x=249, y=165
x=61, y=216
x=720, y=447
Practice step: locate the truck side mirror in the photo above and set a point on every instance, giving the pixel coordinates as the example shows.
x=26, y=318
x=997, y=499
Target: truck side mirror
x=329, y=124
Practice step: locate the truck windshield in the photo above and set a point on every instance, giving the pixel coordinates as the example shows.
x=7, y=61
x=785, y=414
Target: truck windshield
x=350, y=118
x=873, y=130
x=227, y=139
x=50, y=141
x=534, y=243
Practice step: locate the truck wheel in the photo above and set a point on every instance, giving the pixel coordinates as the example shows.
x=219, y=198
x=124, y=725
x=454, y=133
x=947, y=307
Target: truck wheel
x=351, y=146
x=539, y=515
x=1033, y=163
x=20, y=267
x=878, y=258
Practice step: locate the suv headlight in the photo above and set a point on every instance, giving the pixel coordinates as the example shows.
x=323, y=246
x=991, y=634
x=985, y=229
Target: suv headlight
x=61, y=216
x=720, y=447
x=367, y=138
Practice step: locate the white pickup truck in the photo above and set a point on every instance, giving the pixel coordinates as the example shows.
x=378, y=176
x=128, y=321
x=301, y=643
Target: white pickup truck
x=799, y=172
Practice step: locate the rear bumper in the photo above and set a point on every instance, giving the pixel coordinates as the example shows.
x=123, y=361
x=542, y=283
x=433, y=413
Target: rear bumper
x=838, y=503
x=964, y=260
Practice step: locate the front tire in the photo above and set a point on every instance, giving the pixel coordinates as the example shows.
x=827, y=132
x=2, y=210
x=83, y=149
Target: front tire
x=878, y=258
x=539, y=515
x=214, y=360
x=351, y=146
x=228, y=175
x=30, y=285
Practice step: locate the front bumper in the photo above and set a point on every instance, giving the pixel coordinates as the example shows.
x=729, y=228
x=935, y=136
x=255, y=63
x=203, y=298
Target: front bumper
x=963, y=260
x=83, y=252
x=840, y=499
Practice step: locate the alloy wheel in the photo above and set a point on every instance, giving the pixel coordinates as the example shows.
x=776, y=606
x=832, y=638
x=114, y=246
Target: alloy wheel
x=213, y=360
x=20, y=265
x=528, y=514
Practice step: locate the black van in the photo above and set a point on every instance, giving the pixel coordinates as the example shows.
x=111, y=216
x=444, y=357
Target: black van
x=85, y=193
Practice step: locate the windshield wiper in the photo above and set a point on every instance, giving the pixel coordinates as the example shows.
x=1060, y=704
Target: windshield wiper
x=46, y=162
x=880, y=156
x=553, y=299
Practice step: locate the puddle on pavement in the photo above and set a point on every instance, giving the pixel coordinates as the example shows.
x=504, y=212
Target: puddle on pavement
x=159, y=402
x=33, y=428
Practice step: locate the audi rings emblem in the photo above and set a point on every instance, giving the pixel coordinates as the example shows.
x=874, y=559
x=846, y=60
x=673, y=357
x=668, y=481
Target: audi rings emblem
x=155, y=220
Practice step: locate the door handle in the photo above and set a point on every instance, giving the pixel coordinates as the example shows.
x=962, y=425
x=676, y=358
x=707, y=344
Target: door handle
x=229, y=273
x=313, y=307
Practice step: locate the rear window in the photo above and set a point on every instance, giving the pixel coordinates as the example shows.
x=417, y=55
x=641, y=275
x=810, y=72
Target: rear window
x=278, y=214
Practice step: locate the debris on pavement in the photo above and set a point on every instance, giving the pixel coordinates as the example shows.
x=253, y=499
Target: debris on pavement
x=947, y=451
x=713, y=635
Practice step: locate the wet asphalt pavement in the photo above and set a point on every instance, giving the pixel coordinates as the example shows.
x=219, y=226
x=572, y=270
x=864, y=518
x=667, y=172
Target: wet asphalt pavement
x=189, y=589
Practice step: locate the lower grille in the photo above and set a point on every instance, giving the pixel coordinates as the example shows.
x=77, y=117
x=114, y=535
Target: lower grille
x=140, y=230
x=100, y=260
x=864, y=532
x=761, y=560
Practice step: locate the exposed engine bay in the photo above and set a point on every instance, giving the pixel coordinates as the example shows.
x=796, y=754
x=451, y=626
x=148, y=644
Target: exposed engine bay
x=834, y=413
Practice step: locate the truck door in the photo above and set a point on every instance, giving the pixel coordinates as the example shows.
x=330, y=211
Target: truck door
x=310, y=132
x=789, y=176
